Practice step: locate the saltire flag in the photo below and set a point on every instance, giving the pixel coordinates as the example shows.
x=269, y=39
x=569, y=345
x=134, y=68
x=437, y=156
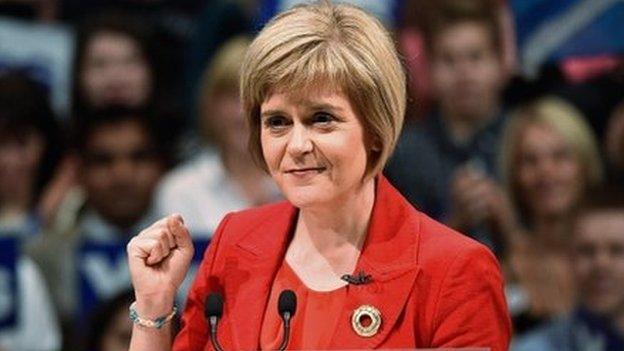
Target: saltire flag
x=550, y=31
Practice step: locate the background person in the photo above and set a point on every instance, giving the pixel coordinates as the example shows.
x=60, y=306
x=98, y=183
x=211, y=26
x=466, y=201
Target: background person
x=122, y=156
x=549, y=159
x=222, y=177
x=30, y=151
x=597, y=322
x=446, y=163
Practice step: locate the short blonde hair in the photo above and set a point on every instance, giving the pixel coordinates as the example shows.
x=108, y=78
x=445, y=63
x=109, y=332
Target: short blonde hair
x=221, y=76
x=340, y=46
x=567, y=121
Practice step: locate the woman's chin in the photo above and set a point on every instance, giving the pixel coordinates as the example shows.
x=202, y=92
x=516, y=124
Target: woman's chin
x=306, y=197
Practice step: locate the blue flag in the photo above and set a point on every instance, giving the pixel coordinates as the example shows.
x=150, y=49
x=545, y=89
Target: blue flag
x=551, y=30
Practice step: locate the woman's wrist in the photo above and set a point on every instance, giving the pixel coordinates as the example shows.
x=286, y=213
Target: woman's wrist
x=156, y=323
x=154, y=306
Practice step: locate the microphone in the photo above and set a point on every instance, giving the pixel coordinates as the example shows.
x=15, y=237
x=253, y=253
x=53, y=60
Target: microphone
x=213, y=310
x=286, y=306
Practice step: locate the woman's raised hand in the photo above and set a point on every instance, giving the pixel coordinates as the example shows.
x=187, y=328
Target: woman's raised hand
x=159, y=258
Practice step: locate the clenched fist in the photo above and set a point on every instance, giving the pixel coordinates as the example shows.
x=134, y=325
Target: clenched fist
x=159, y=258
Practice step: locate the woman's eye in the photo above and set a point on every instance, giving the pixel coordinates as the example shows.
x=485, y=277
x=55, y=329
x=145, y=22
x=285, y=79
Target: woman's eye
x=323, y=118
x=276, y=122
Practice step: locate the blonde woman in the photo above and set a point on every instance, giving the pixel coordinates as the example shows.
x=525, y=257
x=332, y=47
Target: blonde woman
x=549, y=158
x=323, y=91
x=222, y=178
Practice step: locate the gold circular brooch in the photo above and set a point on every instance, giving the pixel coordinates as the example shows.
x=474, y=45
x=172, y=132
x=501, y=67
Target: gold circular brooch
x=366, y=321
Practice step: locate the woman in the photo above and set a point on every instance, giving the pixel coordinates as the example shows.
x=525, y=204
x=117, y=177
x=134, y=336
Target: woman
x=549, y=159
x=115, y=64
x=324, y=94
x=30, y=150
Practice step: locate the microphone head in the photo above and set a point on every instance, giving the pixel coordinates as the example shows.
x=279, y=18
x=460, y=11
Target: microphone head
x=213, y=306
x=287, y=302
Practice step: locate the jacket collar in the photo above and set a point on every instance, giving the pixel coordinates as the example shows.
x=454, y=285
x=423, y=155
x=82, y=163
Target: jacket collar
x=259, y=254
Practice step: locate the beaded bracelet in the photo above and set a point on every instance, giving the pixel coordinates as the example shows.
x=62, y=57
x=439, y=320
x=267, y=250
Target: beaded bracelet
x=150, y=323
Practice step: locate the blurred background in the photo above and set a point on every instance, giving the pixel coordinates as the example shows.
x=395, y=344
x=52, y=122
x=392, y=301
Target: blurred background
x=114, y=113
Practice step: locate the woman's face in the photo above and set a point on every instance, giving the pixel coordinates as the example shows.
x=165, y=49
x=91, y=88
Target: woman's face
x=313, y=145
x=115, y=72
x=549, y=174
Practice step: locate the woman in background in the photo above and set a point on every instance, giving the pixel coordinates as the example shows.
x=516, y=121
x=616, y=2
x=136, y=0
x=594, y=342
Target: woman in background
x=115, y=64
x=222, y=177
x=30, y=149
x=549, y=159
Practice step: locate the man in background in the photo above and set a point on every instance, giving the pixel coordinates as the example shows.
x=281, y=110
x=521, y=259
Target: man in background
x=445, y=165
x=598, y=261
x=122, y=157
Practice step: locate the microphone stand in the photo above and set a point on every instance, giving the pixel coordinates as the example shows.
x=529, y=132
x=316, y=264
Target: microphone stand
x=214, y=321
x=286, y=318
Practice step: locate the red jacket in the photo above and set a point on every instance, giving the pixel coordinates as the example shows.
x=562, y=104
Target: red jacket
x=433, y=286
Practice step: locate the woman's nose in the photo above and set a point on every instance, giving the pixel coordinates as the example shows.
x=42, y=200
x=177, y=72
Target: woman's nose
x=299, y=143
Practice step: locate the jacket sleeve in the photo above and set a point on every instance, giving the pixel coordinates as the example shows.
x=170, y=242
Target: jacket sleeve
x=471, y=310
x=194, y=332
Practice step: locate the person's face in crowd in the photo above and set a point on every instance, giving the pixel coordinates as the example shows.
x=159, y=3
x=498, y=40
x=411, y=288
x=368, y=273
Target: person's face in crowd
x=313, y=145
x=117, y=336
x=20, y=156
x=549, y=174
x=115, y=72
x=121, y=171
x=226, y=112
x=614, y=139
x=599, y=260
x=466, y=71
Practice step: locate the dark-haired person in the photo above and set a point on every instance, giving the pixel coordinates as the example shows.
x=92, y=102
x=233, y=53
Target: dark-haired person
x=29, y=150
x=446, y=164
x=122, y=155
x=116, y=63
x=323, y=91
x=597, y=257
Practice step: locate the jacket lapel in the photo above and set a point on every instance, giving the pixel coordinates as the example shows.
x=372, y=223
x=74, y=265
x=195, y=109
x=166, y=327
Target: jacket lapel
x=251, y=269
x=389, y=255
x=255, y=259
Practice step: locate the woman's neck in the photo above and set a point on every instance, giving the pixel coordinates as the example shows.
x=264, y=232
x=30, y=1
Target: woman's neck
x=343, y=224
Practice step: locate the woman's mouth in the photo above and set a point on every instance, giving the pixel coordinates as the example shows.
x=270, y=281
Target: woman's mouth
x=305, y=171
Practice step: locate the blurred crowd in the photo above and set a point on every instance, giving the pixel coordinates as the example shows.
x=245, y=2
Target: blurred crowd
x=114, y=113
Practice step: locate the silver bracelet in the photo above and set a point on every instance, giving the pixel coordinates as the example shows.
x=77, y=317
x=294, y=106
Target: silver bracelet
x=150, y=323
